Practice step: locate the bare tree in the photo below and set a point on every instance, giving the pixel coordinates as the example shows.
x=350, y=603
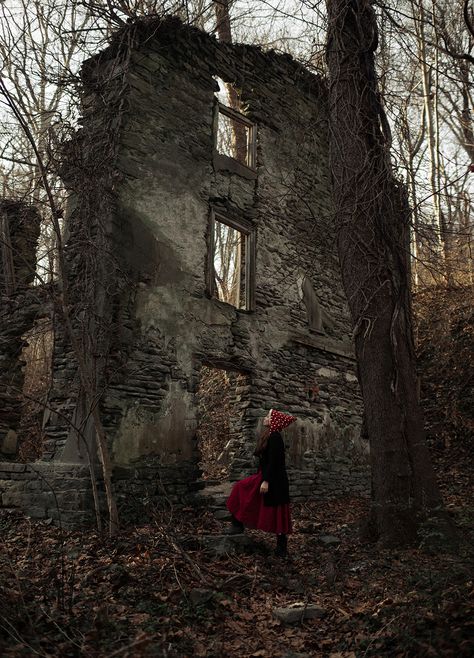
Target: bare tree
x=40, y=44
x=373, y=221
x=227, y=263
x=38, y=61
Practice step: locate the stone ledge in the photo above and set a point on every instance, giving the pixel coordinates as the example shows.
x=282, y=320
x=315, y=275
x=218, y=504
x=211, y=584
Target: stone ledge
x=12, y=467
x=225, y=163
x=321, y=342
x=298, y=612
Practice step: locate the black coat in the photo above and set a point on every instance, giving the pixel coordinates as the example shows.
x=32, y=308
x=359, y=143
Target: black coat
x=272, y=466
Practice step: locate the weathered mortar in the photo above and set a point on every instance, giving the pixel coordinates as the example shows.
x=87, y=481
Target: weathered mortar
x=151, y=110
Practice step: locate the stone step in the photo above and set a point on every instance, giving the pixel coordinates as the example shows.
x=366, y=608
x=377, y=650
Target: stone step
x=212, y=495
x=219, y=501
x=221, y=489
x=215, y=496
x=209, y=482
x=218, y=545
x=222, y=515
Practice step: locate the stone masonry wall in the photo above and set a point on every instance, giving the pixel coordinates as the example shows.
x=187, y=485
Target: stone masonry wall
x=19, y=230
x=63, y=493
x=20, y=305
x=171, y=181
x=149, y=107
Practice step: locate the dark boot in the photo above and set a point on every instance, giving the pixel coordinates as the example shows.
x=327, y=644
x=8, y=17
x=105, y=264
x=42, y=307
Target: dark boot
x=236, y=527
x=281, y=549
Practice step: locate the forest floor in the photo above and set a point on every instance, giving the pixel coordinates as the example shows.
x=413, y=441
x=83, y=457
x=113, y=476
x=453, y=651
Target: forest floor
x=153, y=591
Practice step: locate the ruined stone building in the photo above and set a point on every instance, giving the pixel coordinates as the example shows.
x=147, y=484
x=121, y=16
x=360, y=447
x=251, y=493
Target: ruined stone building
x=200, y=193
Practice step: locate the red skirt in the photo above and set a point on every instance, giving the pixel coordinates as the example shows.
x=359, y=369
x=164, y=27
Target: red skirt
x=246, y=504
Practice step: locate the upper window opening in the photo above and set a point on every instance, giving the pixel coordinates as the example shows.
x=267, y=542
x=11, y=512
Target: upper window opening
x=222, y=94
x=235, y=134
x=232, y=261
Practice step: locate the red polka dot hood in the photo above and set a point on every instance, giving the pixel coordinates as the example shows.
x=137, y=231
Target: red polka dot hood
x=280, y=420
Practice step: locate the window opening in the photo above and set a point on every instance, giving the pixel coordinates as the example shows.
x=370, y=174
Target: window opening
x=235, y=134
x=232, y=261
x=47, y=254
x=220, y=399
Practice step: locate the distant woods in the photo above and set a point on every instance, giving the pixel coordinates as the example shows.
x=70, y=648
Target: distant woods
x=424, y=66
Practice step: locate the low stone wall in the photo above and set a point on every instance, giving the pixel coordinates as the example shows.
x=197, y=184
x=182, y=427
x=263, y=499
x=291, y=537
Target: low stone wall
x=331, y=479
x=63, y=492
x=323, y=478
x=141, y=489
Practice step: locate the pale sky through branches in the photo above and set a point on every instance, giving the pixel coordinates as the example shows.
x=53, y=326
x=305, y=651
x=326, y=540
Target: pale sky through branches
x=43, y=43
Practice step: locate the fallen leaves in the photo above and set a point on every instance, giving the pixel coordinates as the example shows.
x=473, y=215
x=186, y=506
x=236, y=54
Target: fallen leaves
x=78, y=594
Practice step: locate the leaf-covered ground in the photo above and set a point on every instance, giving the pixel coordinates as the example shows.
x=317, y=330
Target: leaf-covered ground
x=152, y=591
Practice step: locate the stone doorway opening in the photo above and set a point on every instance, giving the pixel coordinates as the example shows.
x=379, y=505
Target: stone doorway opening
x=36, y=360
x=221, y=402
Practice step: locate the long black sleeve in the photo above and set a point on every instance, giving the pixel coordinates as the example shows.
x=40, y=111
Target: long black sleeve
x=273, y=470
x=274, y=461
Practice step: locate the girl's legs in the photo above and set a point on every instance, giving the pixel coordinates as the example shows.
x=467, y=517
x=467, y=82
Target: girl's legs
x=236, y=526
x=281, y=549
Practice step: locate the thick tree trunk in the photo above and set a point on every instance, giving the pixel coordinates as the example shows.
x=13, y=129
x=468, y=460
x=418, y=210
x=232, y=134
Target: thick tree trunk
x=372, y=216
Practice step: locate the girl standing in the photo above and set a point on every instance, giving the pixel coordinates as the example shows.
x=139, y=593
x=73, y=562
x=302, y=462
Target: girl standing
x=262, y=501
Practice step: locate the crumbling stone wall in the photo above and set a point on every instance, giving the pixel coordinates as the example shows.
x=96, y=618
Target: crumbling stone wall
x=19, y=306
x=19, y=229
x=221, y=403
x=171, y=181
x=149, y=112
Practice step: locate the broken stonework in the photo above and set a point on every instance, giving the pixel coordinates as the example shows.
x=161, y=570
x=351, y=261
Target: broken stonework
x=60, y=492
x=10, y=443
x=217, y=545
x=298, y=613
x=20, y=306
x=329, y=540
x=150, y=185
x=19, y=231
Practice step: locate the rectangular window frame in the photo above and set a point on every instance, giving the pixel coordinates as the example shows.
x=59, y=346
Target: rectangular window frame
x=251, y=163
x=247, y=229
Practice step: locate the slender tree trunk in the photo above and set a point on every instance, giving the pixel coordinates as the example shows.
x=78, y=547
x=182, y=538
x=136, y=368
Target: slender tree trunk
x=466, y=116
x=412, y=147
x=438, y=162
x=415, y=229
x=430, y=81
x=372, y=217
x=6, y=252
